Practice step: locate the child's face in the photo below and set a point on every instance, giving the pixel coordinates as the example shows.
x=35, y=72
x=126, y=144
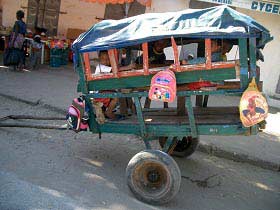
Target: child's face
x=215, y=47
x=160, y=45
x=104, y=59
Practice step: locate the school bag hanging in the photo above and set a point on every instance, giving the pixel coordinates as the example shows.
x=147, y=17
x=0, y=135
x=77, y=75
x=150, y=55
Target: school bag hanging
x=76, y=116
x=163, y=86
x=253, y=107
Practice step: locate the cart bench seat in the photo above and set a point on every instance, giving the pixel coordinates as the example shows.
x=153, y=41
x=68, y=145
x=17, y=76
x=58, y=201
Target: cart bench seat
x=208, y=115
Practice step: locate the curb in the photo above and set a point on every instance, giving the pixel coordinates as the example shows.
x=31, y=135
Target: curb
x=202, y=147
x=218, y=152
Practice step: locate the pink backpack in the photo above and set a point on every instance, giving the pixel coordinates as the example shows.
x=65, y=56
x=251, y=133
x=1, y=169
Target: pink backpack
x=76, y=118
x=163, y=86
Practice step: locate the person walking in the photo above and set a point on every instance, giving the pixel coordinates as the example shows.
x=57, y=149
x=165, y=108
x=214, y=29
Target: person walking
x=17, y=38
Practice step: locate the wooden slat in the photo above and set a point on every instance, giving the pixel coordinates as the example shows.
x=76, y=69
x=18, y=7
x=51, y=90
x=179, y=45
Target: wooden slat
x=197, y=111
x=142, y=81
x=176, y=55
x=200, y=119
x=181, y=109
x=123, y=106
x=145, y=58
x=102, y=76
x=83, y=84
x=214, y=65
x=186, y=68
x=208, y=53
x=87, y=66
x=243, y=57
x=189, y=68
x=113, y=62
x=252, y=52
x=116, y=55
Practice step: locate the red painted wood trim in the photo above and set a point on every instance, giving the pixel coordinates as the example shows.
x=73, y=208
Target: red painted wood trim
x=131, y=73
x=156, y=70
x=176, y=55
x=208, y=53
x=145, y=58
x=113, y=62
x=87, y=66
x=103, y=76
x=116, y=55
x=139, y=72
x=202, y=66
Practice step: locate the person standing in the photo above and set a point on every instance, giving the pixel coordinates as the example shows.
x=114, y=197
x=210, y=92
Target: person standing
x=36, y=51
x=17, y=38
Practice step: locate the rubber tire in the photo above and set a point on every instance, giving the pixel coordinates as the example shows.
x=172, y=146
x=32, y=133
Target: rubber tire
x=181, y=149
x=137, y=174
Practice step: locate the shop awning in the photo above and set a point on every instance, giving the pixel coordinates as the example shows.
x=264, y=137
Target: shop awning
x=146, y=3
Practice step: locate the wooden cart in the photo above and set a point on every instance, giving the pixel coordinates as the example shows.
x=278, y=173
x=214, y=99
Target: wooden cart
x=152, y=175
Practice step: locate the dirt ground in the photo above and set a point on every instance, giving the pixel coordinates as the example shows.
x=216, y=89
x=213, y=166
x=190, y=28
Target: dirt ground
x=49, y=169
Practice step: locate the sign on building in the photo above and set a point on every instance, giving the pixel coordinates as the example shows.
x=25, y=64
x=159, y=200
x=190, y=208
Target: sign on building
x=267, y=6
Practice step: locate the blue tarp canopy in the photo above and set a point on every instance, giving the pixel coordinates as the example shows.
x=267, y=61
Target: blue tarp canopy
x=215, y=22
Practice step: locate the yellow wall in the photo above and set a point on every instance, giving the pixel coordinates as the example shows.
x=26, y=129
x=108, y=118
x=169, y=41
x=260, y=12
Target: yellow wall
x=79, y=15
x=10, y=7
x=167, y=5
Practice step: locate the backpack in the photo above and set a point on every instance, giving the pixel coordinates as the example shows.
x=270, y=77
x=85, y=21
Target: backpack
x=253, y=107
x=163, y=86
x=76, y=116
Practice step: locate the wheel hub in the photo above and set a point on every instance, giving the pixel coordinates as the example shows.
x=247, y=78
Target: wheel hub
x=153, y=176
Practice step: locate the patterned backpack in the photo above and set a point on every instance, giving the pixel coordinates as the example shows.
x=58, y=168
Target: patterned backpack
x=76, y=116
x=163, y=86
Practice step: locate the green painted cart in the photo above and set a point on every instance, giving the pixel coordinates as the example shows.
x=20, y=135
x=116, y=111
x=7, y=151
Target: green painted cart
x=152, y=175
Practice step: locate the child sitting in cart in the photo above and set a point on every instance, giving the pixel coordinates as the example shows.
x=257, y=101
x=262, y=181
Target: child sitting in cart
x=109, y=104
x=219, y=48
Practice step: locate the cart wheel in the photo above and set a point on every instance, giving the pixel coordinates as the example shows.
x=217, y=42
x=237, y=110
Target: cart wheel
x=153, y=176
x=184, y=148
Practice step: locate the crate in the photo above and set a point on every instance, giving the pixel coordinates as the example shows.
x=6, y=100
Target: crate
x=65, y=56
x=55, y=57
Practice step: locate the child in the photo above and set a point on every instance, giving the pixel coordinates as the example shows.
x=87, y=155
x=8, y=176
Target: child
x=109, y=104
x=36, y=47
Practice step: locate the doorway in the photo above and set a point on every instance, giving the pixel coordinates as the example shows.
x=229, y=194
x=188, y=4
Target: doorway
x=43, y=14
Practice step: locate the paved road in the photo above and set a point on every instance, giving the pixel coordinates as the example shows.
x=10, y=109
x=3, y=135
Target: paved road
x=47, y=169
